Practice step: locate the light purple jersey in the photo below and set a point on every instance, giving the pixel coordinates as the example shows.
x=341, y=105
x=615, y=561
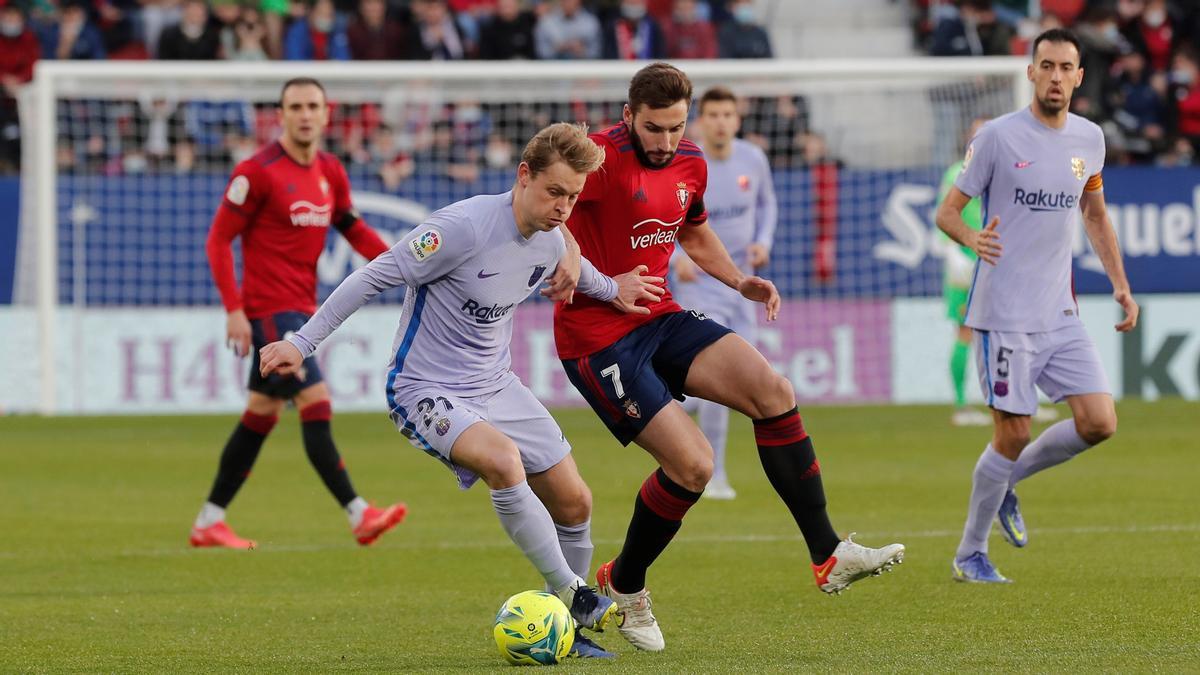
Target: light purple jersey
x=740, y=199
x=1032, y=177
x=466, y=269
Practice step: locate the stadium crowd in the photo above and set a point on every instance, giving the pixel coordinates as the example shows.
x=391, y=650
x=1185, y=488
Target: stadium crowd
x=1141, y=61
x=159, y=134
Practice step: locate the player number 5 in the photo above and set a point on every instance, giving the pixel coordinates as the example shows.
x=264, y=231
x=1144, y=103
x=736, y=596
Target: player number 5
x=614, y=371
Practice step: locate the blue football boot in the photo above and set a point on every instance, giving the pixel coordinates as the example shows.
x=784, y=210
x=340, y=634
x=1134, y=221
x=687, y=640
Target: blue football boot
x=976, y=568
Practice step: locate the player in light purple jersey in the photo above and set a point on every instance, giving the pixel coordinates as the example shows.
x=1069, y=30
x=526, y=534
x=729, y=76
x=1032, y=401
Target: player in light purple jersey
x=1033, y=169
x=449, y=386
x=742, y=211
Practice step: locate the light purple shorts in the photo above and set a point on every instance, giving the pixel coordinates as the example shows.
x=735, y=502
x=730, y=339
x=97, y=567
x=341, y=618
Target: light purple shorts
x=432, y=418
x=1013, y=366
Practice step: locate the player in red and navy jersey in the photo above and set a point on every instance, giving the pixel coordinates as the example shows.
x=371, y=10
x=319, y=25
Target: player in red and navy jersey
x=649, y=194
x=282, y=202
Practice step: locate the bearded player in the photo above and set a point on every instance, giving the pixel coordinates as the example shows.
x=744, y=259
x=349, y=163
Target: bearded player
x=649, y=191
x=282, y=202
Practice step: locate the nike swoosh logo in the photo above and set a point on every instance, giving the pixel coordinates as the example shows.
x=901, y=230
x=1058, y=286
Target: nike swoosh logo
x=1022, y=165
x=482, y=275
x=822, y=572
x=1012, y=526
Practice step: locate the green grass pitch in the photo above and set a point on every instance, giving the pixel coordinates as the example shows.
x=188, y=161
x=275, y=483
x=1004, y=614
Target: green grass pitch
x=96, y=575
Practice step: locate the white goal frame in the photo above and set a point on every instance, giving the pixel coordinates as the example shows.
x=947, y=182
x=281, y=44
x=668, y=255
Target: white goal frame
x=53, y=79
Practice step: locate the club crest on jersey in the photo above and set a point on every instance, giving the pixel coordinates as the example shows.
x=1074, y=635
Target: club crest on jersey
x=682, y=193
x=239, y=188
x=744, y=183
x=632, y=409
x=324, y=185
x=537, y=275
x=1078, y=167
x=425, y=244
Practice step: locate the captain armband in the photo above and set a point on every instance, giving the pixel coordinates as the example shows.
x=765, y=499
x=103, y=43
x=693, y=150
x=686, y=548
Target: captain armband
x=346, y=220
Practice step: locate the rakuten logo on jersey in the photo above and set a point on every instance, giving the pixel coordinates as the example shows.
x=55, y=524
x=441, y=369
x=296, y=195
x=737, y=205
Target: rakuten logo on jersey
x=308, y=214
x=486, y=314
x=662, y=235
x=1040, y=200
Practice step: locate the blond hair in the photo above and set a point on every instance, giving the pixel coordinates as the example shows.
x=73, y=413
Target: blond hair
x=564, y=142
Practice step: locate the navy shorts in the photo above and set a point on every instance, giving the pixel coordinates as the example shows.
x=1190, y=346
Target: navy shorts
x=266, y=331
x=629, y=381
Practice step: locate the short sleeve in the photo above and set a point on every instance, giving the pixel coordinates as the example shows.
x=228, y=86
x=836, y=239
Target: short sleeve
x=597, y=181
x=978, y=163
x=697, y=213
x=435, y=248
x=247, y=190
x=340, y=183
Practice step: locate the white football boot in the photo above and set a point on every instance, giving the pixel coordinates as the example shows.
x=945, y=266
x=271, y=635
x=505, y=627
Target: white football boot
x=635, y=621
x=851, y=562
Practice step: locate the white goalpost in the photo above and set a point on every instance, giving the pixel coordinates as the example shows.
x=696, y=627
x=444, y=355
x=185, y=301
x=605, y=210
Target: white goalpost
x=123, y=165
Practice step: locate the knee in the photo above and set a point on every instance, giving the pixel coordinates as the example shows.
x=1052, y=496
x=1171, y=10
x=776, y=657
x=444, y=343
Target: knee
x=695, y=474
x=774, y=397
x=575, y=510
x=1097, y=429
x=1011, y=444
x=502, y=468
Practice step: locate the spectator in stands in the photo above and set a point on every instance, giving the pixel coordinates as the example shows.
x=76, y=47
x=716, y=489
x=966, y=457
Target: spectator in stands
x=633, y=35
x=434, y=35
x=319, y=37
x=1185, y=85
x=1139, y=106
x=374, y=36
x=158, y=127
x=777, y=125
x=73, y=36
x=212, y=127
x=742, y=37
x=246, y=39
x=386, y=159
x=195, y=38
x=155, y=17
x=688, y=35
x=1102, y=42
x=19, y=50
x=973, y=31
x=118, y=25
x=445, y=157
x=1154, y=33
x=568, y=31
x=509, y=34
x=276, y=14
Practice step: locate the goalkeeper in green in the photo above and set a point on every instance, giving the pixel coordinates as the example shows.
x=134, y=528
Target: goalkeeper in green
x=956, y=288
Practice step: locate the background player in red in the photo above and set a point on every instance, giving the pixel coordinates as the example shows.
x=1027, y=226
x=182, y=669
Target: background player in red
x=650, y=191
x=281, y=202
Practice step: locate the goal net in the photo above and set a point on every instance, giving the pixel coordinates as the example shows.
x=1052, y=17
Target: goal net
x=124, y=165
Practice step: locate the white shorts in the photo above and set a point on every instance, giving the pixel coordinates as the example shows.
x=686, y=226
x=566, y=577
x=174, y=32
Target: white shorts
x=1012, y=366
x=432, y=418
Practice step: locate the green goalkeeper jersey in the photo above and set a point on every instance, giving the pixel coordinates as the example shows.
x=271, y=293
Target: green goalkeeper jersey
x=972, y=213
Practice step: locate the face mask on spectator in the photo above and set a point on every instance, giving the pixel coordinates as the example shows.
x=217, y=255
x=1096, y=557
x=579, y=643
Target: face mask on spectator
x=11, y=28
x=743, y=14
x=633, y=12
x=190, y=31
x=1181, y=76
x=1154, y=17
x=322, y=25
x=1111, y=32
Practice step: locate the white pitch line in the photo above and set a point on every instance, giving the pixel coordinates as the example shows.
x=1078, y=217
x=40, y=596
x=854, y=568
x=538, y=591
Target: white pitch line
x=685, y=540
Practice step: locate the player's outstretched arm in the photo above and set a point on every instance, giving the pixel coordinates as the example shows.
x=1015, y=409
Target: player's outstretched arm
x=636, y=286
x=1104, y=241
x=985, y=243
x=705, y=249
x=561, y=285
x=355, y=291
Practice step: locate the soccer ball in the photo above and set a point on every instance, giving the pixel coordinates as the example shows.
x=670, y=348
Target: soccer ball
x=533, y=628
